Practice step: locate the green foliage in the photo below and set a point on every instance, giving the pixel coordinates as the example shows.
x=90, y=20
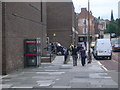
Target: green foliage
x=113, y=27
x=107, y=29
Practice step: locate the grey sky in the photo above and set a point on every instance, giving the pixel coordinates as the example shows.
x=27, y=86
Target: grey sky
x=100, y=8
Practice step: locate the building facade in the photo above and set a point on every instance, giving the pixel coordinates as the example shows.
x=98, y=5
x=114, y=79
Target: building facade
x=83, y=25
x=96, y=22
x=0, y=38
x=101, y=27
x=60, y=23
x=119, y=9
x=20, y=21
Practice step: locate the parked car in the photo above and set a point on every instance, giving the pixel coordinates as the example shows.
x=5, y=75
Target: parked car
x=92, y=44
x=113, y=35
x=116, y=47
x=102, y=49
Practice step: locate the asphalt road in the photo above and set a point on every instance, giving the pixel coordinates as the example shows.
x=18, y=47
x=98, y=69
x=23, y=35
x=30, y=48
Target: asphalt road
x=112, y=64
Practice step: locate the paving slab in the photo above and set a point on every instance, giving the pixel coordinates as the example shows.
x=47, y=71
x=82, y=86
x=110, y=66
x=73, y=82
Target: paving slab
x=18, y=87
x=110, y=86
x=6, y=85
x=59, y=75
x=61, y=87
x=80, y=85
x=44, y=77
x=77, y=80
x=108, y=82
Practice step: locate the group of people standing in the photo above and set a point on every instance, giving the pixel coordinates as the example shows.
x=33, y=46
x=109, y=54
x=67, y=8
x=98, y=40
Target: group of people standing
x=78, y=50
x=57, y=48
x=75, y=51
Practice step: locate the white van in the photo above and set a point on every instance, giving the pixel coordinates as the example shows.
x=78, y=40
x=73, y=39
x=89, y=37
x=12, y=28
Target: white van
x=102, y=49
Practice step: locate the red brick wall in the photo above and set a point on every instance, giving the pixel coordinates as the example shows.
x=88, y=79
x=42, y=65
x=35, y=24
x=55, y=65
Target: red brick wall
x=84, y=15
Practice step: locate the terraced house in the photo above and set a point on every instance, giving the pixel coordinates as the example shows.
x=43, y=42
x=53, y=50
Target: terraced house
x=83, y=25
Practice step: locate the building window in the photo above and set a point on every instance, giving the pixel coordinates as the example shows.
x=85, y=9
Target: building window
x=85, y=30
x=83, y=21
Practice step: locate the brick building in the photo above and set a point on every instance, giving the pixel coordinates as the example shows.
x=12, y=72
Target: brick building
x=83, y=25
x=0, y=38
x=96, y=22
x=22, y=20
x=119, y=9
x=61, y=23
x=101, y=27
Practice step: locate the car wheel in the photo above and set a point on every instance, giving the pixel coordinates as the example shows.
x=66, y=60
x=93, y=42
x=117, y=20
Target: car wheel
x=109, y=58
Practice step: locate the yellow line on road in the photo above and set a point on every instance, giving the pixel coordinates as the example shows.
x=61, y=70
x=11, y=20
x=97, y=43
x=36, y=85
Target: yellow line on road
x=99, y=63
x=102, y=66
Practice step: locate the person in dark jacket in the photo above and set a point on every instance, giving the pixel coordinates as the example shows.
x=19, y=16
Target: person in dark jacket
x=83, y=56
x=79, y=47
x=66, y=53
x=75, y=55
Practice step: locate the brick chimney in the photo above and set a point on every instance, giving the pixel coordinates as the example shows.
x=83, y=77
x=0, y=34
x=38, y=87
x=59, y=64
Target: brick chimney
x=83, y=10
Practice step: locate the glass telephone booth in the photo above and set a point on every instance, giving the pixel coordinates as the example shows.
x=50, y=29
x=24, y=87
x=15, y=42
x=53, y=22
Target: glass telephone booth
x=32, y=52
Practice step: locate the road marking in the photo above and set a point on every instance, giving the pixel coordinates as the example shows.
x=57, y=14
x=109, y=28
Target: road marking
x=4, y=76
x=57, y=79
x=115, y=61
x=102, y=66
x=99, y=63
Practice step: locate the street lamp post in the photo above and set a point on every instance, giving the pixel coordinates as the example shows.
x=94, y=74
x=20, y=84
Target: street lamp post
x=85, y=42
x=89, y=52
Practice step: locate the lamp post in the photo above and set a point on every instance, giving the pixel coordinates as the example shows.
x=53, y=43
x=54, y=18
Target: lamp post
x=88, y=37
x=85, y=42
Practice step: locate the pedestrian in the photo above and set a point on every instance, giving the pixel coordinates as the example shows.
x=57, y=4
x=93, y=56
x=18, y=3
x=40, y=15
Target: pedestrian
x=83, y=56
x=90, y=58
x=79, y=47
x=66, y=53
x=71, y=47
x=75, y=55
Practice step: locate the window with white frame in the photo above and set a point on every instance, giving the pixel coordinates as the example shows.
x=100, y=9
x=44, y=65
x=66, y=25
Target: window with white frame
x=85, y=30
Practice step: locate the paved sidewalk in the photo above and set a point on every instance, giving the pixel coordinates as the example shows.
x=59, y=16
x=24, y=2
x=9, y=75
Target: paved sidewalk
x=59, y=75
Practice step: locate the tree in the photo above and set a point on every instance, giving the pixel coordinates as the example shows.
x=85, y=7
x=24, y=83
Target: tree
x=118, y=26
x=107, y=29
x=113, y=27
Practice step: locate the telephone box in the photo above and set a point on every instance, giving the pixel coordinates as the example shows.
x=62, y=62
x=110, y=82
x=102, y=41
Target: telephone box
x=32, y=52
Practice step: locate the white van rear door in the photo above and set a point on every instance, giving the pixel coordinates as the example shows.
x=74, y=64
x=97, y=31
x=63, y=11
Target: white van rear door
x=104, y=49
